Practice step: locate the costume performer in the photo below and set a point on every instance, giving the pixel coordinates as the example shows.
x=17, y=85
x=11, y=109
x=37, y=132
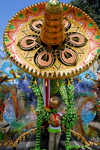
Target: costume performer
x=54, y=124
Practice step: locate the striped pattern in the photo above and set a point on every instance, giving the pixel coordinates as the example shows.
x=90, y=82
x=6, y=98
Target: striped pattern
x=46, y=92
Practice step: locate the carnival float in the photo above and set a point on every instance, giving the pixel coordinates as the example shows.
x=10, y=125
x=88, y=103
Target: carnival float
x=55, y=42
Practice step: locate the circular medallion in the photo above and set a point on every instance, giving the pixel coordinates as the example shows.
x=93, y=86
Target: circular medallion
x=74, y=55
x=55, y=120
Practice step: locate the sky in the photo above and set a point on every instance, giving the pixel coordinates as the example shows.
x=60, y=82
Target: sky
x=8, y=8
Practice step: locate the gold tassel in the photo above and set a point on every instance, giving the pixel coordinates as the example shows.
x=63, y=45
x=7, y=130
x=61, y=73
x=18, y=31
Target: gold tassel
x=79, y=79
x=86, y=75
x=57, y=83
x=46, y=83
x=35, y=81
x=68, y=82
x=20, y=140
x=91, y=143
x=98, y=61
x=10, y=64
x=3, y=50
x=28, y=134
x=16, y=70
x=25, y=77
x=23, y=138
x=1, y=143
x=5, y=57
x=11, y=142
x=93, y=68
x=95, y=143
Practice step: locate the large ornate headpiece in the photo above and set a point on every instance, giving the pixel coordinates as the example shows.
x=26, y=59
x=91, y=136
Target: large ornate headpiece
x=52, y=40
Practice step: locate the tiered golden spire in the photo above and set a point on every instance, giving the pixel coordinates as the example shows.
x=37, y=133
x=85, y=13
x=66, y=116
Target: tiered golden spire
x=53, y=32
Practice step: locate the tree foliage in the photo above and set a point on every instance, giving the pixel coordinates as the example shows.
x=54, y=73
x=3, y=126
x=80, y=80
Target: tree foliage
x=91, y=7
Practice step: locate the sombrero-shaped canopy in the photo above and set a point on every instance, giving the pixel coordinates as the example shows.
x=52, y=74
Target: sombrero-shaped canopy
x=52, y=40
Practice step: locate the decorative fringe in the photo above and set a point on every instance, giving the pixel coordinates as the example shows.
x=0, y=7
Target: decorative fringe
x=57, y=83
x=10, y=64
x=5, y=57
x=16, y=70
x=93, y=68
x=3, y=50
x=25, y=77
x=79, y=79
x=46, y=84
x=68, y=82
